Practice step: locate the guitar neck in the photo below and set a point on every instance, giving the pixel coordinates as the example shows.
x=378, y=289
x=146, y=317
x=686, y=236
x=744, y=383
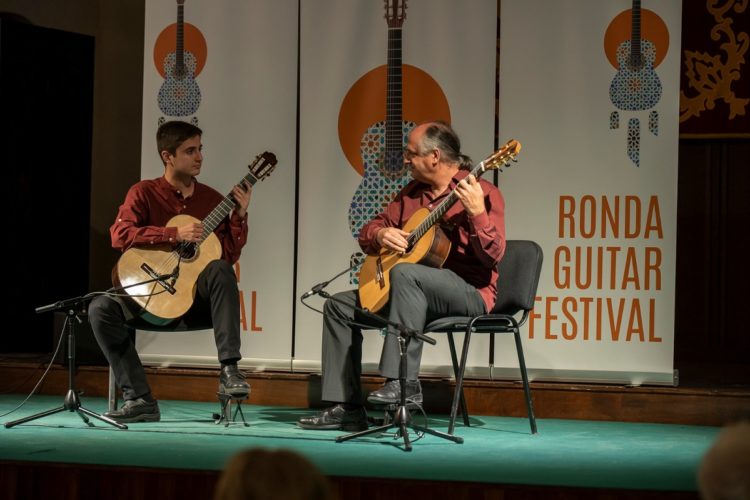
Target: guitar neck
x=212, y=220
x=440, y=210
x=635, y=34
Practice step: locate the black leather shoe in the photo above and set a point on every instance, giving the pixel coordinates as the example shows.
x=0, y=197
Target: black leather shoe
x=390, y=393
x=136, y=410
x=232, y=382
x=336, y=418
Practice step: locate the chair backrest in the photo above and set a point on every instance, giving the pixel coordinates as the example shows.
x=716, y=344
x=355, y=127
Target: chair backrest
x=519, y=271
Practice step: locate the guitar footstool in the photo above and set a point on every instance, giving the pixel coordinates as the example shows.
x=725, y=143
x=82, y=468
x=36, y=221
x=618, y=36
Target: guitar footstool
x=226, y=401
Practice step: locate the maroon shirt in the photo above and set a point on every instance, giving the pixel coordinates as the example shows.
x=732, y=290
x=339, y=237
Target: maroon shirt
x=148, y=206
x=477, y=243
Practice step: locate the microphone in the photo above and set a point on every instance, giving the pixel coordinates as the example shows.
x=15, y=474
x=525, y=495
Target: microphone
x=173, y=275
x=314, y=290
x=48, y=307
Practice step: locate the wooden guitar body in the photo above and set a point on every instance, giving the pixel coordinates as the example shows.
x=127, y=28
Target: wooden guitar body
x=176, y=298
x=374, y=278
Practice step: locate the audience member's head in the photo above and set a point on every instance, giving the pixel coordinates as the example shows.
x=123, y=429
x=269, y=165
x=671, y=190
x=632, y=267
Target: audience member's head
x=261, y=474
x=724, y=472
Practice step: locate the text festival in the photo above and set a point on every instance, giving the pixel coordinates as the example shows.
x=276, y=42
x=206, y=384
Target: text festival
x=611, y=288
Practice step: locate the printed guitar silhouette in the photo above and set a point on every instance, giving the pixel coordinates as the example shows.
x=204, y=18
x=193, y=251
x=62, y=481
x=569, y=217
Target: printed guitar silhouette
x=179, y=95
x=381, y=147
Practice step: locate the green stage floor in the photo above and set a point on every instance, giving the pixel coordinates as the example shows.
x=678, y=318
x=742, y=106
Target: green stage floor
x=572, y=453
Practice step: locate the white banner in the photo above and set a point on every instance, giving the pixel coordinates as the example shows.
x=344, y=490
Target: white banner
x=593, y=100
x=448, y=55
x=598, y=183
x=241, y=59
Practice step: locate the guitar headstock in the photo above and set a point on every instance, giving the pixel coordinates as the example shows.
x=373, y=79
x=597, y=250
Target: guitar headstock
x=263, y=165
x=395, y=12
x=503, y=156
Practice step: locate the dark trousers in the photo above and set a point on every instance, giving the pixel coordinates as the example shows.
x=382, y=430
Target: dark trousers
x=216, y=302
x=419, y=294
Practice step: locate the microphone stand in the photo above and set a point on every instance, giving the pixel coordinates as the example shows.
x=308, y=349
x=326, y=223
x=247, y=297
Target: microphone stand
x=72, y=400
x=402, y=419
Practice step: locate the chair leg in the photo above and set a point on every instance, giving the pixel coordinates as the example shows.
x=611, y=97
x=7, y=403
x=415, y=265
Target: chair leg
x=525, y=378
x=454, y=361
x=491, y=361
x=460, y=379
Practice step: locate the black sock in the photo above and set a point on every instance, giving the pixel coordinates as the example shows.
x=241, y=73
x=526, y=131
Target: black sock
x=147, y=397
x=351, y=406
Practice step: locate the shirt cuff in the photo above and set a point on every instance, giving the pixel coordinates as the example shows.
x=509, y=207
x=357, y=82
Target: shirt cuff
x=170, y=234
x=480, y=221
x=237, y=220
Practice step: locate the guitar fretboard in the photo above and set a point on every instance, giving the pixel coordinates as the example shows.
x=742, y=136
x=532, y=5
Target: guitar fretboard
x=440, y=210
x=212, y=220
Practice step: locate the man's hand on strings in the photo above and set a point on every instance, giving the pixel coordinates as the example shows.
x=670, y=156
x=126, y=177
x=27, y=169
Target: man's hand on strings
x=191, y=232
x=393, y=239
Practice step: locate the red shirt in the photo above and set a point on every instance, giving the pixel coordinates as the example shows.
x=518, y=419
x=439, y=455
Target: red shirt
x=477, y=243
x=143, y=217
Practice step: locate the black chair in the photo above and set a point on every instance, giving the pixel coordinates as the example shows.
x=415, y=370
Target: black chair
x=519, y=276
x=140, y=324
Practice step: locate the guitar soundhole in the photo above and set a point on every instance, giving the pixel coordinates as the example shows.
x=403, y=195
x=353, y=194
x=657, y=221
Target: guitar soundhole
x=188, y=251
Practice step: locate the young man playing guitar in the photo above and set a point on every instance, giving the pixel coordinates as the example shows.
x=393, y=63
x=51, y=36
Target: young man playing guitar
x=465, y=285
x=141, y=223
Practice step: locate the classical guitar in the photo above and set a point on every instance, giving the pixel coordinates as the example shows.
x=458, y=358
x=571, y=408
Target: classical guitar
x=382, y=144
x=636, y=86
x=179, y=95
x=427, y=242
x=173, y=271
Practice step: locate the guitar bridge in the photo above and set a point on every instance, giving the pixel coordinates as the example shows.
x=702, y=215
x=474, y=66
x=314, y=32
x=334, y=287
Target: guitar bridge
x=156, y=277
x=379, y=275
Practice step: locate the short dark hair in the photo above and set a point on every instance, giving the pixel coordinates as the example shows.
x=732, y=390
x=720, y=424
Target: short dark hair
x=172, y=134
x=440, y=135
x=261, y=474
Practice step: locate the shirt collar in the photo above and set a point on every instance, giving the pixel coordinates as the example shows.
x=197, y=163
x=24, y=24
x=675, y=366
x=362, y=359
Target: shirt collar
x=415, y=186
x=164, y=185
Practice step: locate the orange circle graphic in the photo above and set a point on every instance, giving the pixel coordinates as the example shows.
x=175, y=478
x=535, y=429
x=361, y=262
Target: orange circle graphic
x=653, y=29
x=364, y=105
x=166, y=43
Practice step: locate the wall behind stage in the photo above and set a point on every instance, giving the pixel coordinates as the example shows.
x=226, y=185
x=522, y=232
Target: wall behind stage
x=598, y=189
x=595, y=185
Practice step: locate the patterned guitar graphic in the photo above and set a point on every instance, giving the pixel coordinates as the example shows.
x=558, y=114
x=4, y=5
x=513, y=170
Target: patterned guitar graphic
x=179, y=95
x=636, y=86
x=381, y=147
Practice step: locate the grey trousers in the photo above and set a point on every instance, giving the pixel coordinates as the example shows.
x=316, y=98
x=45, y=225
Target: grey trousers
x=216, y=302
x=419, y=294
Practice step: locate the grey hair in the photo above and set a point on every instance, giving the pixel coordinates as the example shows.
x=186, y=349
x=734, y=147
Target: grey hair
x=440, y=135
